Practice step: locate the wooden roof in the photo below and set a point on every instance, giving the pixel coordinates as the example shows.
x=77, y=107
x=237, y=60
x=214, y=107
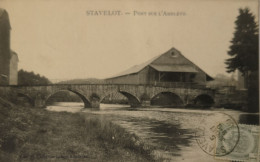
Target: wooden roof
x=135, y=68
x=166, y=67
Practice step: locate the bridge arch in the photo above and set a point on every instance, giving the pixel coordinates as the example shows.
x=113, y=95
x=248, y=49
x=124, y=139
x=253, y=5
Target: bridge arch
x=85, y=100
x=113, y=97
x=167, y=98
x=133, y=100
x=29, y=99
x=203, y=100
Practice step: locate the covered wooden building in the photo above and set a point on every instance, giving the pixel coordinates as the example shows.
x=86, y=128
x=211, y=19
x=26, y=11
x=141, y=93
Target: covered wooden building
x=169, y=68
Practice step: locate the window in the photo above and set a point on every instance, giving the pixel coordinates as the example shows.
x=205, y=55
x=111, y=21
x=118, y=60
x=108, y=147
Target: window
x=174, y=54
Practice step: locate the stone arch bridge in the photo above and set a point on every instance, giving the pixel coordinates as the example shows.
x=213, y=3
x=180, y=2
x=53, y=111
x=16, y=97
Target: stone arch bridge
x=93, y=94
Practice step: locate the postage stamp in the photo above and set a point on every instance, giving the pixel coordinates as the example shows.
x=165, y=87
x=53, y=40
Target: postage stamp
x=247, y=147
x=218, y=134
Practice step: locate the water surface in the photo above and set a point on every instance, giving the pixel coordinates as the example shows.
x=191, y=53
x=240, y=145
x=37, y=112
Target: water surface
x=170, y=130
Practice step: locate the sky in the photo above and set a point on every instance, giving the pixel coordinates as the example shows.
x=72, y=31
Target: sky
x=61, y=40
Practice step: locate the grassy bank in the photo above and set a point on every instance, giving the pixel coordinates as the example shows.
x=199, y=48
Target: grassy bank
x=30, y=134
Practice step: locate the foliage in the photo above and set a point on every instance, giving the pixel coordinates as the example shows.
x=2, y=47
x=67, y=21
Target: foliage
x=115, y=98
x=221, y=80
x=30, y=78
x=244, y=55
x=83, y=81
x=244, y=47
x=31, y=134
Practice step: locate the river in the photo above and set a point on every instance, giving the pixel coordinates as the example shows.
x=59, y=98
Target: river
x=171, y=131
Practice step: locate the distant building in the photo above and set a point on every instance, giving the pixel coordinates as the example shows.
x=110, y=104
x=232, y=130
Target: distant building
x=168, y=68
x=13, y=71
x=8, y=58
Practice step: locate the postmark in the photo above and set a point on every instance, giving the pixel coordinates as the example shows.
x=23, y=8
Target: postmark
x=218, y=134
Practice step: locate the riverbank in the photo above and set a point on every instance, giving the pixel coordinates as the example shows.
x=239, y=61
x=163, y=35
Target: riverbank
x=30, y=134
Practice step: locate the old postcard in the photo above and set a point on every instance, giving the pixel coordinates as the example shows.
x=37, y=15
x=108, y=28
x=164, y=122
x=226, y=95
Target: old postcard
x=129, y=80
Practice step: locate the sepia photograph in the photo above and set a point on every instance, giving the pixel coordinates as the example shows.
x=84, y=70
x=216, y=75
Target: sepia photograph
x=129, y=81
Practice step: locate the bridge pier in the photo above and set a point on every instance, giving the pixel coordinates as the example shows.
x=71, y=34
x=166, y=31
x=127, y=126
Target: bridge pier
x=146, y=103
x=134, y=105
x=95, y=104
x=39, y=102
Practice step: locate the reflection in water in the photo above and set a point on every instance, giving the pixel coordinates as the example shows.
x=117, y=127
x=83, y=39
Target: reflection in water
x=169, y=131
x=171, y=135
x=66, y=106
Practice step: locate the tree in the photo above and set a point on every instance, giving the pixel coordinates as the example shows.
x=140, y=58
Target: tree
x=244, y=47
x=29, y=78
x=244, y=55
